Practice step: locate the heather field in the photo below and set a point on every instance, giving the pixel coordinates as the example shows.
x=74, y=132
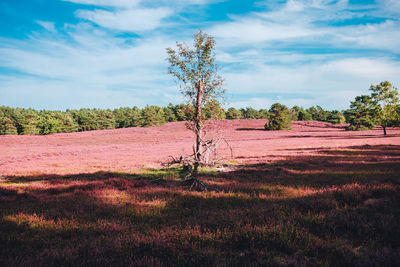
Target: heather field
x=314, y=195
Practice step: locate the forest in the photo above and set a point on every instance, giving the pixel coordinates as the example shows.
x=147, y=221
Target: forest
x=21, y=121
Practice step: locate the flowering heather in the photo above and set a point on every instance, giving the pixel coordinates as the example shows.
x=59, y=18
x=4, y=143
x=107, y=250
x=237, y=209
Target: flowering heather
x=314, y=195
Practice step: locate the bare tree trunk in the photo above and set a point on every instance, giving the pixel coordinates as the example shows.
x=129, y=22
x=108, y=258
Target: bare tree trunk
x=198, y=126
x=384, y=130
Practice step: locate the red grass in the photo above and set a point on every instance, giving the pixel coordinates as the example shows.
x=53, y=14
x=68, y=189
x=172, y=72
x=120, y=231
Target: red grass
x=126, y=150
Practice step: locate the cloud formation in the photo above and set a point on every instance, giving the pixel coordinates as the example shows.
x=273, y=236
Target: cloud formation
x=299, y=52
x=130, y=20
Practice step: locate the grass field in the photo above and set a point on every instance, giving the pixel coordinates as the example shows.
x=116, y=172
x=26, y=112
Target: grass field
x=328, y=205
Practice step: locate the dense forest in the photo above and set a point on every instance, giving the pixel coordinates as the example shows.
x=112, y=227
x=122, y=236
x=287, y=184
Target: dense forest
x=29, y=121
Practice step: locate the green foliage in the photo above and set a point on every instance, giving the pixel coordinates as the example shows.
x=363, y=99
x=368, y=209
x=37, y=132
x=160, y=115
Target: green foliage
x=336, y=117
x=386, y=97
x=183, y=112
x=304, y=116
x=128, y=117
x=381, y=107
x=105, y=119
x=30, y=125
x=48, y=123
x=87, y=120
x=153, y=116
x=294, y=112
x=7, y=126
x=279, y=118
x=30, y=121
x=299, y=114
x=317, y=113
x=169, y=113
x=212, y=110
x=233, y=114
x=263, y=114
x=396, y=117
x=250, y=113
x=362, y=113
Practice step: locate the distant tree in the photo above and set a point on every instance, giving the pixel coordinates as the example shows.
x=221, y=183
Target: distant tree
x=336, y=117
x=362, y=113
x=197, y=70
x=386, y=97
x=121, y=116
x=317, y=113
x=183, y=112
x=303, y=115
x=105, y=119
x=152, y=116
x=15, y=119
x=263, y=114
x=87, y=120
x=233, y=114
x=212, y=110
x=31, y=118
x=250, y=113
x=279, y=118
x=135, y=117
x=69, y=124
x=7, y=126
x=396, y=120
x=48, y=123
x=294, y=113
x=169, y=113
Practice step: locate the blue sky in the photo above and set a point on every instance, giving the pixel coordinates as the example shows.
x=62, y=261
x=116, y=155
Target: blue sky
x=59, y=54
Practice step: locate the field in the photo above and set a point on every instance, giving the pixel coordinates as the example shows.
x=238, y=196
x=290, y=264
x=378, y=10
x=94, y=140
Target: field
x=313, y=195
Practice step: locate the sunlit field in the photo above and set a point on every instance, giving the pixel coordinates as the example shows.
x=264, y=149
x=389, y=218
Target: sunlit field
x=315, y=195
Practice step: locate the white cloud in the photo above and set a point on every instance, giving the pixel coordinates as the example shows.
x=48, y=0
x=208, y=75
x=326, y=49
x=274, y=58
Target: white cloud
x=385, y=36
x=332, y=84
x=130, y=20
x=98, y=70
x=310, y=23
x=47, y=25
x=389, y=7
x=250, y=30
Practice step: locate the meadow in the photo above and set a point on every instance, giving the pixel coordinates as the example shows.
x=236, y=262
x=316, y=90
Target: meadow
x=316, y=195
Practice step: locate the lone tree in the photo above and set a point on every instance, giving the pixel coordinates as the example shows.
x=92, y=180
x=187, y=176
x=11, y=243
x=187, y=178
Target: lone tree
x=279, y=118
x=386, y=97
x=197, y=70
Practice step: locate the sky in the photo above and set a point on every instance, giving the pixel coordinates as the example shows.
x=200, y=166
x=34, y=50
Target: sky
x=69, y=54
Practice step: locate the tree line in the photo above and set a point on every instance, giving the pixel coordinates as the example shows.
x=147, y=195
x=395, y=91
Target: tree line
x=22, y=121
